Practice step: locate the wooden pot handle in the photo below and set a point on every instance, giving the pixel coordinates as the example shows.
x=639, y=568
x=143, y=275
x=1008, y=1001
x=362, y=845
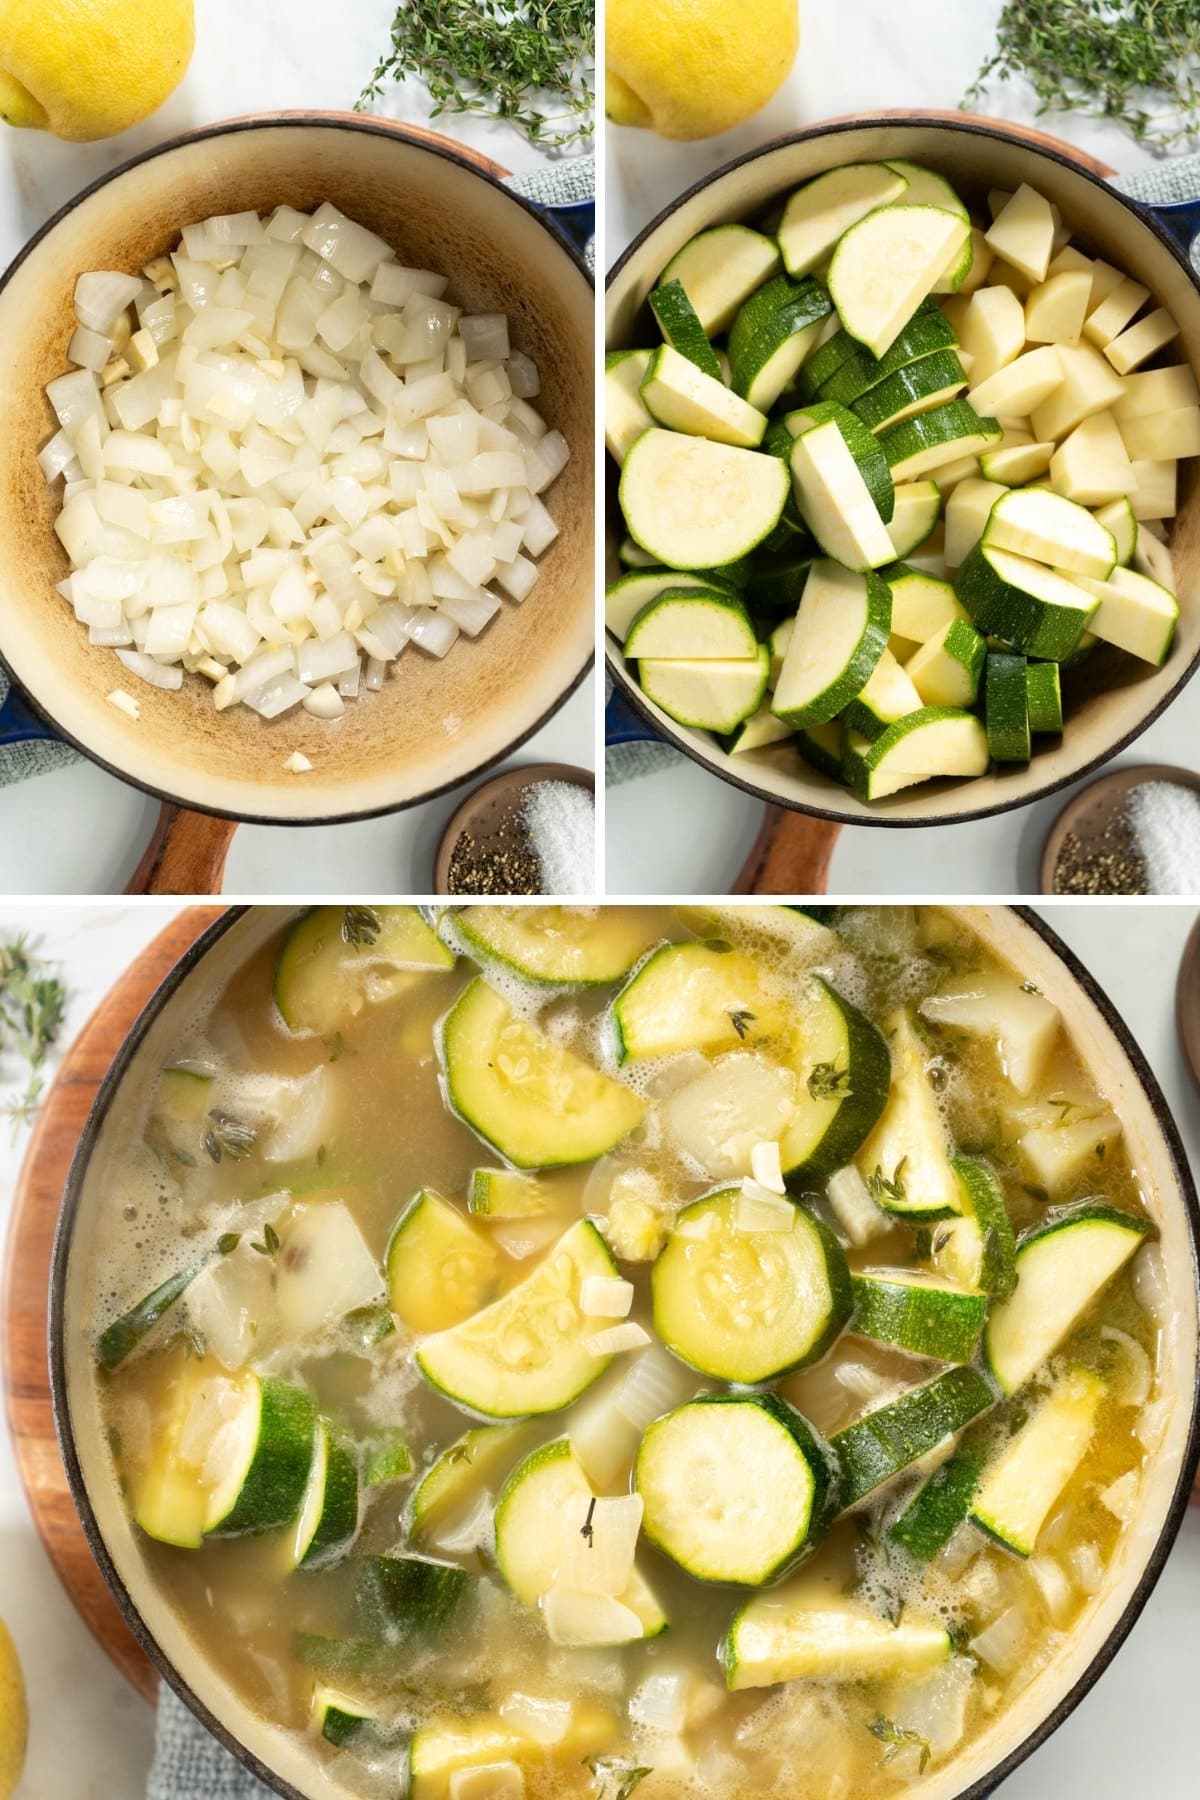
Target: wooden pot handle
x=791, y=855
x=186, y=855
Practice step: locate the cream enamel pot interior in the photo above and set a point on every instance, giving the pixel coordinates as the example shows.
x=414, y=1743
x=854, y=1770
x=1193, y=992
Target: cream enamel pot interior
x=286, y=1763
x=1111, y=698
x=435, y=723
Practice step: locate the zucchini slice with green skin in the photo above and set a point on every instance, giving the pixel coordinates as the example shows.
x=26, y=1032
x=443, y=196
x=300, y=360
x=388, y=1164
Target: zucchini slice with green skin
x=860, y=442
x=1043, y=526
x=683, y=397
x=780, y=587
x=841, y=631
x=441, y=1750
x=122, y=1337
x=408, y=1599
x=698, y=505
x=945, y=671
x=917, y=509
x=737, y=1487
x=746, y=1305
x=857, y=371
x=845, y=1068
x=264, y=1487
x=1036, y=610
x=328, y=1522
x=1007, y=708
x=823, y=364
x=922, y=604
x=472, y=1462
x=692, y=996
x=342, y=1659
x=559, y=946
x=834, y=500
x=1136, y=613
x=910, y=390
x=1043, y=696
x=336, y=960
x=337, y=1717
x=681, y=328
x=1119, y=518
x=719, y=269
x=924, y=746
x=630, y=595
x=819, y=214
x=545, y=1309
x=631, y=555
x=625, y=415
x=773, y=333
x=978, y=1249
x=885, y=265
x=706, y=693
x=906, y=1160
x=545, y=1510
x=883, y=1443
x=757, y=732
x=927, y=188
x=1062, y=1264
x=941, y=1504
x=888, y=695
x=944, y=434
x=505, y=1194
x=820, y=746
x=708, y=625
x=917, y=1312
x=535, y=1102
x=803, y=1632
x=1021, y=1487
x=439, y=1268
x=387, y=1460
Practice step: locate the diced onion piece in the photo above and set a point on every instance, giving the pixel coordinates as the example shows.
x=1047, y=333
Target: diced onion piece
x=1150, y=1286
x=545, y=1721
x=1054, y=1586
x=298, y=763
x=660, y=1702
x=124, y=703
x=758, y=1209
x=1001, y=1644
x=324, y=702
x=432, y=632
x=588, y=1619
x=156, y=673
x=605, y=1297
x=102, y=295
x=1121, y=1496
x=654, y=1384
x=1133, y=1377
x=853, y=1208
x=767, y=1168
x=615, y=1340
x=1086, y=1567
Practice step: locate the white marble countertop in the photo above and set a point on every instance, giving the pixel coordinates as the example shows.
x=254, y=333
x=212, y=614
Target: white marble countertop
x=97, y=1745
x=80, y=831
x=855, y=56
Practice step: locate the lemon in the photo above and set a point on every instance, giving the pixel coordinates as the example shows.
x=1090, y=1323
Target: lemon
x=692, y=68
x=14, y=1716
x=90, y=68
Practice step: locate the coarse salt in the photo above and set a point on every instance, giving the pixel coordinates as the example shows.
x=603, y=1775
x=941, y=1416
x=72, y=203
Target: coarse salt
x=561, y=821
x=1165, y=818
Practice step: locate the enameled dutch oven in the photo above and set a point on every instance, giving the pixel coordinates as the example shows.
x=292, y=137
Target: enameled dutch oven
x=287, y=1763
x=1112, y=698
x=435, y=723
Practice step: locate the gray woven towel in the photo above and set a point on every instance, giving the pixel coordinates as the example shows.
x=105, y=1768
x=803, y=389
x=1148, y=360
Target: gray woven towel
x=1174, y=178
x=191, y=1765
x=569, y=182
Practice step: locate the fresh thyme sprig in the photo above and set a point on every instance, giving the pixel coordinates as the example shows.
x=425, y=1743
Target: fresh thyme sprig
x=31, y=1016
x=530, y=62
x=898, y=1738
x=1136, y=62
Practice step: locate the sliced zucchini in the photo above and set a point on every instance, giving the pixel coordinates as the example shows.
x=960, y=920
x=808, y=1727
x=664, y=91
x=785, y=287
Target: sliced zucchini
x=705, y=624
x=1062, y=1265
x=943, y=434
x=927, y=188
x=779, y=587
x=473, y=1462
x=388, y=1459
x=913, y=389
x=546, y=1525
x=1119, y=519
x=844, y=1065
x=917, y=1312
x=678, y=394
x=861, y=443
x=883, y=1443
x=338, y=1718
x=338, y=960
x=631, y=555
x=1134, y=613
x=937, y=741
x=737, y=1487
x=630, y=595
x=449, y=1746
x=681, y=328
x=918, y=507
x=625, y=415
x=1013, y=464
x=746, y=1305
x=805, y=1633
x=692, y=996
x=825, y=361
x=858, y=372
x=505, y=1194
x=761, y=729
x=922, y=604
x=1007, y=708
x=945, y=671
x=526, y=1354
x=906, y=1159
x=773, y=333
x=408, y=1599
x=978, y=1249
x=1036, y=523
x=328, y=1521
x=1022, y=1023
x=820, y=746
x=841, y=632
x=1037, y=611
x=440, y=1269
x=818, y=214
x=528, y=1097
x=559, y=945
x=698, y=505
x=885, y=265
x=967, y=513
x=888, y=695
x=122, y=1337
x=1021, y=1488
x=719, y=269
x=942, y=1503
x=1043, y=695
x=835, y=501
x=706, y=693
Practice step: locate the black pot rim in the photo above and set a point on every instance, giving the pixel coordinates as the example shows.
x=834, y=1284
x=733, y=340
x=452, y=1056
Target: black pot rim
x=971, y=126
x=435, y=146
x=981, y=1789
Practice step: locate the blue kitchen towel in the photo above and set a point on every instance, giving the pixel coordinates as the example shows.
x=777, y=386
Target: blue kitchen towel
x=1162, y=183
x=571, y=182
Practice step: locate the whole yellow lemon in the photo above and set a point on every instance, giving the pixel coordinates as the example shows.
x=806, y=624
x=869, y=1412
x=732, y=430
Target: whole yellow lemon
x=14, y=1716
x=692, y=68
x=87, y=69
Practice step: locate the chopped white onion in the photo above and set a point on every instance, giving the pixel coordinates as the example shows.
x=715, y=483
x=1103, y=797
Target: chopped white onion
x=156, y=673
x=605, y=1297
x=102, y=295
x=615, y=1340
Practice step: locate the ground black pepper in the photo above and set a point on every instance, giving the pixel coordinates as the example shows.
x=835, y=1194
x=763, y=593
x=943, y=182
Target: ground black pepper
x=503, y=863
x=1109, y=863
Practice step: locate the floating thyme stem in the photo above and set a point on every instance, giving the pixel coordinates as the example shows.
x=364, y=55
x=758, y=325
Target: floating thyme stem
x=502, y=58
x=1136, y=62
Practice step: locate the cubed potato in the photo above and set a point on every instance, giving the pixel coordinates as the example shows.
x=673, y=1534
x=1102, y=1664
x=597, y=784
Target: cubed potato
x=1091, y=466
x=1023, y=233
x=1116, y=311
x=1021, y=387
x=1156, y=390
x=1155, y=496
x=1055, y=311
x=992, y=331
x=1141, y=341
x=1088, y=386
x=1163, y=437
